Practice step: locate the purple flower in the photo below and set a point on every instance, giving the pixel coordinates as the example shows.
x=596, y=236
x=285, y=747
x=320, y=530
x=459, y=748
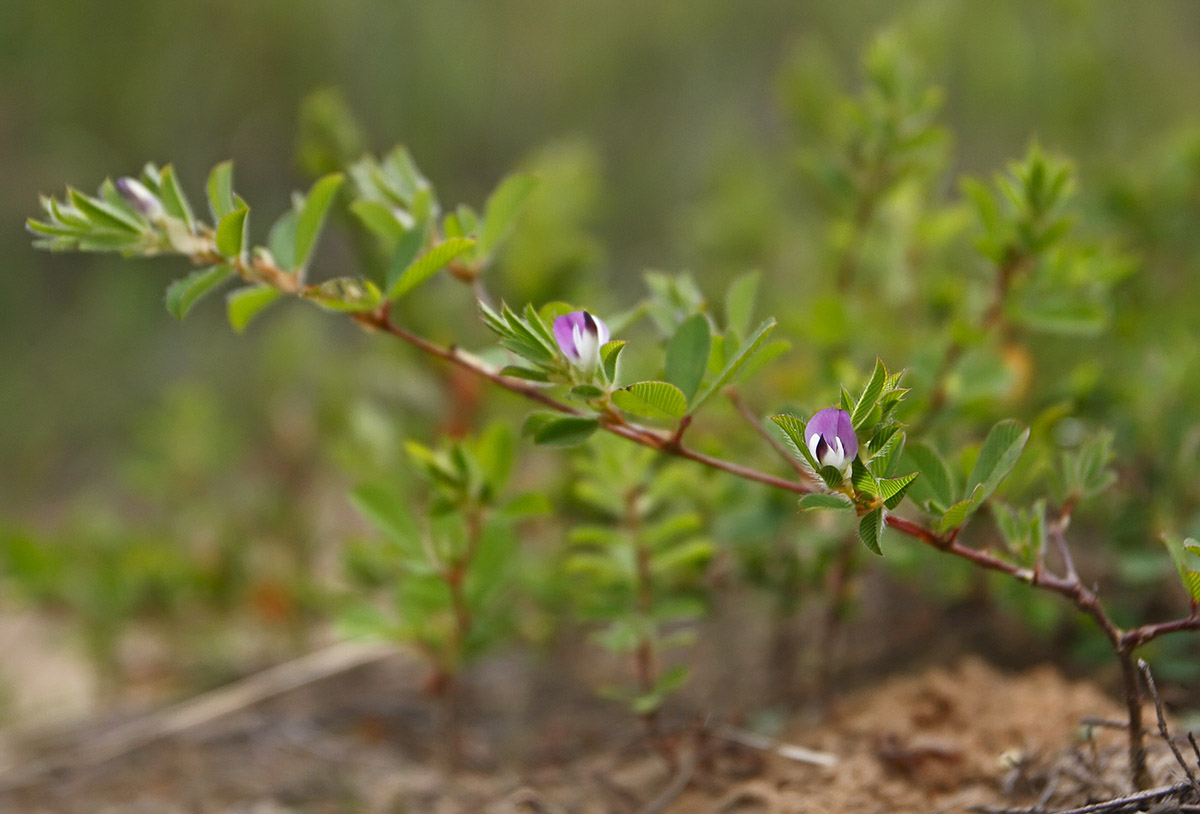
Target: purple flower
x=580, y=336
x=831, y=438
x=140, y=198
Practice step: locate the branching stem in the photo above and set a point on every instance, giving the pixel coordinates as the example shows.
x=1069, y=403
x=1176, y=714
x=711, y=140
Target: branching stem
x=1068, y=585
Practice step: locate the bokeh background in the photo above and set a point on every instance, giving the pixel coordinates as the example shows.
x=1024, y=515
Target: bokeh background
x=668, y=136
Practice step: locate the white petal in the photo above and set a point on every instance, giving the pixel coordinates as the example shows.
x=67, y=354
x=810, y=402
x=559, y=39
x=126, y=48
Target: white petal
x=835, y=456
x=813, y=441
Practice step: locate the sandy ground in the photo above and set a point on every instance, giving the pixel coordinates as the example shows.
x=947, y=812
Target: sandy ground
x=367, y=738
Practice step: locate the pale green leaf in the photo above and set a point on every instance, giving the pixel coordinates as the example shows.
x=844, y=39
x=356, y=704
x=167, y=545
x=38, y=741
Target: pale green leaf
x=245, y=304
x=870, y=531
x=997, y=457
x=687, y=354
x=173, y=199
x=502, y=208
x=231, y=233
x=103, y=214
x=824, y=501
x=346, y=294
x=429, y=264
x=187, y=291
x=652, y=400
x=935, y=484
x=957, y=514
x=739, y=302
x=734, y=363
x=869, y=395
x=312, y=216
x=560, y=431
x=220, y=190
x=379, y=219
x=892, y=490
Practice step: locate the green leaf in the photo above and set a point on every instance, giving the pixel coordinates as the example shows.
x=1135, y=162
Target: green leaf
x=652, y=400
x=346, y=294
x=407, y=248
x=503, y=206
x=870, y=530
x=528, y=504
x=762, y=357
x=428, y=264
x=832, y=476
x=610, y=354
x=245, y=304
x=1064, y=313
x=869, y=395
x=1186, y=555
x=553, y=430
x=682, y=559
x=187, y=291
x=998, y=456
x=862, y=479
x=935, y=484
x=173, y=199
x=957, y=514
x=281, y=241
x=734, y=364
x=823, y=501
x=518, y=336
x=739, y=302
x=379, y=219
x=312, y=216
x=231, y=233
x=585, y=392
x=534, y=320
x=892, y=490
x=220, y=190
x=363, y=620
x=881, y=462
x=386, y=510
x=793, y=427
x=529, y=374
x=687, y=354
x=103, y=214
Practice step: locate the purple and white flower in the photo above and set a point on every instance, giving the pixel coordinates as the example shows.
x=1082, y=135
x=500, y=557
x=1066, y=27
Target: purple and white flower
x=580, y=337
x=831, y=438
x=140, y=198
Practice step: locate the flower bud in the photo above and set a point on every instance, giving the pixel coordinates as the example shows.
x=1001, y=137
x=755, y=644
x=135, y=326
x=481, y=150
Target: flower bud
x=580, y=337
x=140, y=198
x=831, y=438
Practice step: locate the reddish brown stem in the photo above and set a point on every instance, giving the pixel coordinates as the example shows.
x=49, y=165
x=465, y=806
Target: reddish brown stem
x=753, y=420
x=1123, y=642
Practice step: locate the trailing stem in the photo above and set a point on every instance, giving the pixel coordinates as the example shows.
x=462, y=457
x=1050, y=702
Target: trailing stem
x=1069, y=585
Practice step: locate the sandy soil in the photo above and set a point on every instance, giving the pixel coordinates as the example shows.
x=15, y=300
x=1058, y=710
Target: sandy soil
x=368, y=739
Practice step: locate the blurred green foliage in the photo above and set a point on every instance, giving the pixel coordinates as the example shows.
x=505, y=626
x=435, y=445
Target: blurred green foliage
x=712, y=136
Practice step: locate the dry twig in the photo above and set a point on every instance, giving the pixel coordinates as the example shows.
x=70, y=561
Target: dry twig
x=1162, y=724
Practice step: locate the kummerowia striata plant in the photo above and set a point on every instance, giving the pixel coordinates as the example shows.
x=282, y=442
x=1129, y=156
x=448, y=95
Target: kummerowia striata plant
x=849, y=453
x=854, y=455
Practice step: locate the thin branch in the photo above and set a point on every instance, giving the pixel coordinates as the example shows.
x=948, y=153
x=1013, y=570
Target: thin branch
x=1162, y=724
x=1071, y=588
x=1058, y=534
x=1118, y=804
x=753, y=420
x=378, y=320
